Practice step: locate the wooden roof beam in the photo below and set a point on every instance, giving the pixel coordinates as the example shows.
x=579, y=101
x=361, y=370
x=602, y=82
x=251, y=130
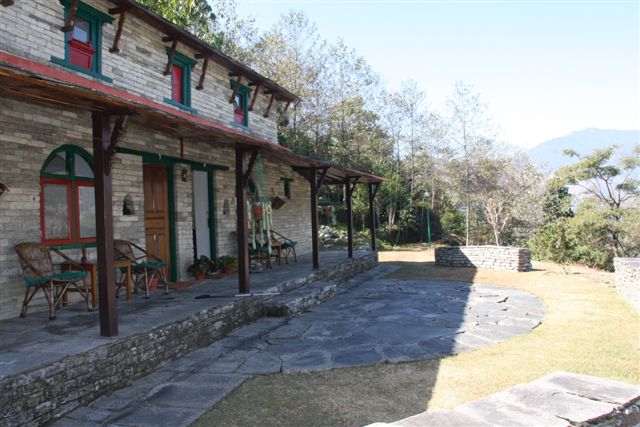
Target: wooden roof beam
x=273, y=97
x=255, y=96
x=205, y=64
x=71, y=16
x=121, y=20
x=172, y=51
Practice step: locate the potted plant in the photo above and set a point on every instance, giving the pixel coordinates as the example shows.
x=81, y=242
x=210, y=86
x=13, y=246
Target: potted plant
x=227, y=264
x=201, y=267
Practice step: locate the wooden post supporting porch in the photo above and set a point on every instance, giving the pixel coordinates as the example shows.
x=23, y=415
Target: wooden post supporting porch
x=242, y=180
x=349, y=200
x=104, y=226
x=373, y=189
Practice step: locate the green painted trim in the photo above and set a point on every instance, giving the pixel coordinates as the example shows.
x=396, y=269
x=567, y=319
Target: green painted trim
x=70, y=161
x=74, y=246
x=212, y=214
x=212, y=207
x=97, y=20
x=187, y=65
x=173, y=245
x=85, y=9
x=60, y=61
x=148, y=157
x=181, y=106
x=181, y=59
x=244, y=93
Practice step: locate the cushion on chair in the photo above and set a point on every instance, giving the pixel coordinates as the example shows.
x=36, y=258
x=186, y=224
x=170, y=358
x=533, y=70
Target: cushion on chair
x=289, y=244
x=60, y=277
x=148, y=265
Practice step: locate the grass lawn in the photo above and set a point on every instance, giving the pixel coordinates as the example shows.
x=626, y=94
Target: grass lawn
x=587, y=329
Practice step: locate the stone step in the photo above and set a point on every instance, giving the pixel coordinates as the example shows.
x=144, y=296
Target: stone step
x=558, y=399
x=300, y=299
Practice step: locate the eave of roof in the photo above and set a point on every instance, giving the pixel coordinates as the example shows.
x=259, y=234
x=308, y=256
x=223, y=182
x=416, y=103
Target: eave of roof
x=26, y=78
x=188, y=39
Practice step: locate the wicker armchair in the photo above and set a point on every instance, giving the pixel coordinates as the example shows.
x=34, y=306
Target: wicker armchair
x=39, y=272
x=288, y=247
x=144, y=266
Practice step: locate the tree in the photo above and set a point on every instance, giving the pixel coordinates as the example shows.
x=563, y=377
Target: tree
x=612, y=189
x=468, y=127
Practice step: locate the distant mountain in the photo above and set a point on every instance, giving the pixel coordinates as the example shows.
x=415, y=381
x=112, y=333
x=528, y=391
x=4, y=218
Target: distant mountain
x=548, y=155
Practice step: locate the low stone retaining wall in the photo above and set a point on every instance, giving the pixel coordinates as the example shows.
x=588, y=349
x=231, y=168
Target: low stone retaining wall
x=36, y=396
x=491, y=257
x=628, y=280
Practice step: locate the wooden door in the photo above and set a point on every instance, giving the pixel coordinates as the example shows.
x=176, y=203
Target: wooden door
x=156, y=213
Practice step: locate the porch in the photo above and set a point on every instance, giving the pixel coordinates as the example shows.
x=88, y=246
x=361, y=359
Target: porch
x=77, y=364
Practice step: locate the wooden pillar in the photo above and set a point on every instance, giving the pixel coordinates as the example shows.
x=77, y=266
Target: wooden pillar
x=349, y=201
x=313, y=180
x=241, y=221
x=104, y=226
x=372, y=216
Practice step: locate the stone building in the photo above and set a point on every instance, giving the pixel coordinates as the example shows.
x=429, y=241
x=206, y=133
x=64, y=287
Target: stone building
x=105, y=99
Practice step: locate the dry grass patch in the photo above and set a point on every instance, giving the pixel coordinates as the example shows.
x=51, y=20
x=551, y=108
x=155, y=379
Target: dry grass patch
x=587, y=329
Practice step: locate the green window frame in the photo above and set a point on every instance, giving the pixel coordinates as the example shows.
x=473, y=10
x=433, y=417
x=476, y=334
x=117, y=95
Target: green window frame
x=287, y=187
x=68, y=168
x=186, y=64
x=96, y=19
x=240, y=104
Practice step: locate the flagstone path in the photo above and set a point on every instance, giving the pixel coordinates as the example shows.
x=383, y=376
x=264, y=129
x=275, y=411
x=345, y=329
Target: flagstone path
x=370, y=320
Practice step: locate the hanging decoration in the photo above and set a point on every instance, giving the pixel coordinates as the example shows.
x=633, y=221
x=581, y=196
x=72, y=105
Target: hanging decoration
x=260, y=212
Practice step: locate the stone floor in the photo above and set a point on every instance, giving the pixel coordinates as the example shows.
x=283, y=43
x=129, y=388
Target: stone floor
x=558, y=399
x=370, y=320
x=36, y=340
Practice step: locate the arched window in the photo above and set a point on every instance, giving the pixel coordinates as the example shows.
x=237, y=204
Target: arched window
x=67, y=197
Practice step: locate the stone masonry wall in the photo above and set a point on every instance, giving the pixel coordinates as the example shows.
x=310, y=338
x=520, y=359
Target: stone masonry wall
x=36, y=396
x=628, y=280
x=31, y=29
x=30, y=132
x=491, y=257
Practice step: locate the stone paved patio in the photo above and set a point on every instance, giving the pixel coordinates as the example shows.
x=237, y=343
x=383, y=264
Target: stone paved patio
x=556, y=400
x=370, y=320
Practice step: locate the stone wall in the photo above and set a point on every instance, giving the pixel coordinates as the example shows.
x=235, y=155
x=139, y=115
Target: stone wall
x=35, y=396
x=491, y=257
x=31, y=29
x=30, y=132
x=628, y=280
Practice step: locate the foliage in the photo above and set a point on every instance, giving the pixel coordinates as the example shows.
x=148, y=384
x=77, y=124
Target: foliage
x=227, y=262
x=201, y=266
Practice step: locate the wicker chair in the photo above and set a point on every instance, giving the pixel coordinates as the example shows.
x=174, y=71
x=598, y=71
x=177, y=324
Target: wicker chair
x=39, y=272
x=288, y=246
x=144, y=266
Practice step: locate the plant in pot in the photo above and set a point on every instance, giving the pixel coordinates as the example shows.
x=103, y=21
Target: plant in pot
x=201, y=267
x=228, y=264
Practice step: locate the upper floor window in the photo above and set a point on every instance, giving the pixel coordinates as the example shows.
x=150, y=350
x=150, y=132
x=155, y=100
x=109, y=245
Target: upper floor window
x=67, y=197
x=83, y=44
x=181, y=80
x=241, y=104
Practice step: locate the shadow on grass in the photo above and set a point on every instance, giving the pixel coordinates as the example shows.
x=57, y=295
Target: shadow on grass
x=412, y=320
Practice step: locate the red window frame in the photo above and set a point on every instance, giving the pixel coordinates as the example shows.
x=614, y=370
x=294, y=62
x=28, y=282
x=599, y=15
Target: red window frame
x=67, y=183
x=73, y=211
x=79, y=238
x=177, y=87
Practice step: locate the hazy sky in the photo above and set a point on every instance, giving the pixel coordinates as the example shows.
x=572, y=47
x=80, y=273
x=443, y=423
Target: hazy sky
x=545, y=68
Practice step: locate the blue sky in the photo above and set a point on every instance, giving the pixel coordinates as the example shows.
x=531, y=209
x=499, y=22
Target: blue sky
x=545, y=68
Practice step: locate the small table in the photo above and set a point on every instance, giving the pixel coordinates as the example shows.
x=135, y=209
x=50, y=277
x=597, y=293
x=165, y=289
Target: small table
x=92, y=268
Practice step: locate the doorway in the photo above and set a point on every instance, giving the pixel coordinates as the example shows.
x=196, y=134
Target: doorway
x=203, y=214
x=156, y=213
